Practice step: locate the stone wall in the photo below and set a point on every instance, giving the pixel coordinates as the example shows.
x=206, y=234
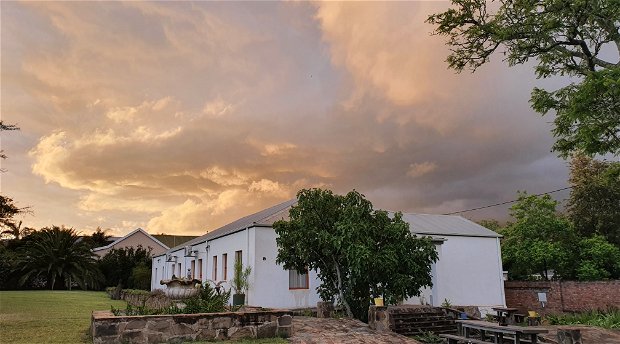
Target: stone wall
x=107, y=328
x=565, y=296
x=150, y=300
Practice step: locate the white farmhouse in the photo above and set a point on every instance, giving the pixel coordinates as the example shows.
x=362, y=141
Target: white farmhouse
x=468, y=272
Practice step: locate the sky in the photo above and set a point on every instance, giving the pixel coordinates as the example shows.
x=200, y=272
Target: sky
x=180, y=117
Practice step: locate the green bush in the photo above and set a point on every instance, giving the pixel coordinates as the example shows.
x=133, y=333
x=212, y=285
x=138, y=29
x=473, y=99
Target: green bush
x=609, y=319
x=429, y=338
x=207, y=301
x=140, y=277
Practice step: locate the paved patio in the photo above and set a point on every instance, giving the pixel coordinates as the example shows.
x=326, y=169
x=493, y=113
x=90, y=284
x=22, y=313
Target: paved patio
x=346, y=331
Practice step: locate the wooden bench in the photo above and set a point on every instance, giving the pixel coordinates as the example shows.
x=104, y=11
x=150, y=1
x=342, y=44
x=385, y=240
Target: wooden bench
x=498, y=333
x=452, y=339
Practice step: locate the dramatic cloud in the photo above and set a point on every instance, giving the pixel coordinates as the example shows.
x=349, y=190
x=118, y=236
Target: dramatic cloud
x=183, y=116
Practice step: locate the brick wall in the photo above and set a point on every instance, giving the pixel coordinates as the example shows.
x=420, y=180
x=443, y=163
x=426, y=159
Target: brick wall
x=567, y=296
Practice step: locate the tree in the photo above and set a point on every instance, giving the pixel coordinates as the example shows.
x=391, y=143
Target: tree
x=566, y=38
x=491, y=224
x=7, y=127
x=98, y=238
x=58, y=255
x=594, y=203
x=16, y=231
x=598, y=259
x=540, y=240
x=8, y=210
x=356, y=251
x=119, y=265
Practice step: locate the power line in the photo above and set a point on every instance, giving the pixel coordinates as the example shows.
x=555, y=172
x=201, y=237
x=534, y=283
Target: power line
x=507, y=202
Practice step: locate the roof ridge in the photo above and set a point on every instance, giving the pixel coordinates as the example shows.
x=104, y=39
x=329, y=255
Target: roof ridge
x=291, y=201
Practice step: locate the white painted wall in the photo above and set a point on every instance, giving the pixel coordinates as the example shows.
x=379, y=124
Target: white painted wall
x=428, y=294
x=270, y=282
x=470, y=273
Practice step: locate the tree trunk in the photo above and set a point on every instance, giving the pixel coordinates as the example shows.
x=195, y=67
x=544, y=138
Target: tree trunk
x=340, y=293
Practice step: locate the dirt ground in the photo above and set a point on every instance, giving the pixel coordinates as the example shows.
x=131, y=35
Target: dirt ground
x=350, y=331
x=589, y=334
x=341, y=331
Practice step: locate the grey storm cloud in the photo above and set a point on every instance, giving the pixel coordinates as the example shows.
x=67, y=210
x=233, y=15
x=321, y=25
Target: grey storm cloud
x=181, y=117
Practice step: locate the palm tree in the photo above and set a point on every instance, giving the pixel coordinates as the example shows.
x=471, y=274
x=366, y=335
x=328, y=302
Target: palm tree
x=57, y=254
x=15, y=230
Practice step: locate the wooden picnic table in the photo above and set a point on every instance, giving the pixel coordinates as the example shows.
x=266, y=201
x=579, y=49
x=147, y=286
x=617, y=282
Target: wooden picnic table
x=506, y=315
x=499, y=333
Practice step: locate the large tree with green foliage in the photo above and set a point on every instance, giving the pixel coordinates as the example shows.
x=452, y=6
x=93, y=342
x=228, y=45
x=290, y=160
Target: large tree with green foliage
x=357, y=252
x=594, y=203
x=98, y=238
x=598, y=259
x=539, y=240
x=127, y=267
x=58, y=255
x=578, y=38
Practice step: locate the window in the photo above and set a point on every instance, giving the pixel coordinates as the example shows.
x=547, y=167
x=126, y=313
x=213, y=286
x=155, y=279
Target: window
x=238, y=256
x=193, y=272
x=180, y=271
x=173, y=269
x=215, y=268
x=225, y=266
x=297, y=280
x=200, y=269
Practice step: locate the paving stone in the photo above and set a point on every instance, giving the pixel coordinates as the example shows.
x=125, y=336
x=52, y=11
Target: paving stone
x=341, y=331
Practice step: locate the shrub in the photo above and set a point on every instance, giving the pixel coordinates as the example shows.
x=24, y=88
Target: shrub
x=207, y=301
x=429, y=338
x=609, y=319
x=140, y=277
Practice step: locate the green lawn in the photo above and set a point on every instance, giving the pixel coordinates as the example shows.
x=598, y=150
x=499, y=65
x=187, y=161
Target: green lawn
x=58, y=316
x=49, y=316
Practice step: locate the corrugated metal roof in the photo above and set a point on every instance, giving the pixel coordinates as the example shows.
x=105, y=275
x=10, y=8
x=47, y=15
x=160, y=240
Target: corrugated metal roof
x=446, y=225
x=419, y=224
x=173, y=240
x=264, y=217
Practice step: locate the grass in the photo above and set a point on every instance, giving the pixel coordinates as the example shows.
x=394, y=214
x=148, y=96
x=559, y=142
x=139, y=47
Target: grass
x=608, y=320
x=45, y=316
x=49, y=316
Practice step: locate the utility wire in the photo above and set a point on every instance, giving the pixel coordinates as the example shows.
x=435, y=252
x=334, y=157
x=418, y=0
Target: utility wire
x=507, y=202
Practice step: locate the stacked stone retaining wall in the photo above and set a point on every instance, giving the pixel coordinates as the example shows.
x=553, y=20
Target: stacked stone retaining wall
x=563, y=296
x=107, y=328
x=150, y=300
